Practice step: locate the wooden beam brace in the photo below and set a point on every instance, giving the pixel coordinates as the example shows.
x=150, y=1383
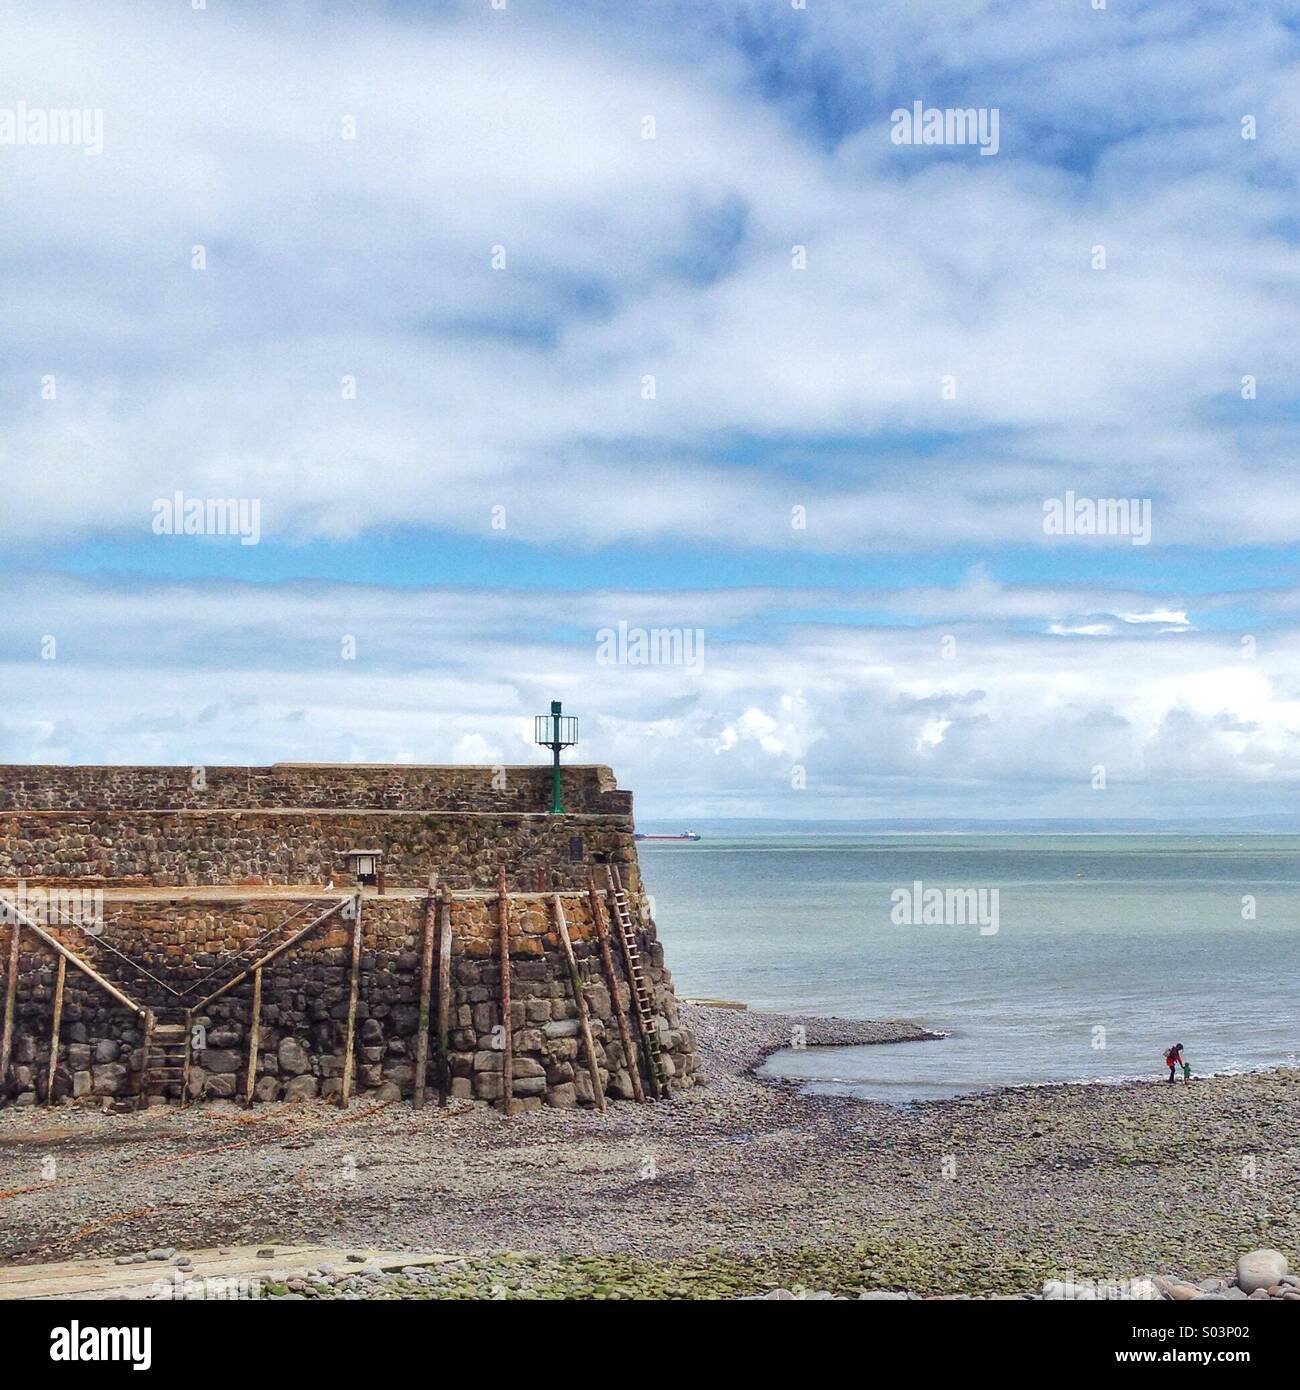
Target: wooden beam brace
x=247, y=950
x=60, y=975
x=584, y=1018
x=353, y=986
x=426, y=985
x=607, y=959
x=271, y=955
x=73, y=959
x=503, y=950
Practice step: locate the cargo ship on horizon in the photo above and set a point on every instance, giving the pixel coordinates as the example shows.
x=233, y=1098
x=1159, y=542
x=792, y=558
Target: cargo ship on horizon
x=685, y=835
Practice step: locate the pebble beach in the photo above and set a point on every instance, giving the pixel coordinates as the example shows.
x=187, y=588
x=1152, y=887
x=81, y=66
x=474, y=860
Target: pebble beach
x=743, y=1187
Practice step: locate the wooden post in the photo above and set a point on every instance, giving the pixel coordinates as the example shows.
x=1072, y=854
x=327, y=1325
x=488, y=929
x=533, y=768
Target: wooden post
x=507, y=1040
x=254, y=1037
x=426, y=984
x=68, y=957
x=11, y=1000
x=143, y=1096
x=607, y=958
x=584, y=1019
x=61, y=974
x=444, y=996
x=352, y=1006
x=185, y=1067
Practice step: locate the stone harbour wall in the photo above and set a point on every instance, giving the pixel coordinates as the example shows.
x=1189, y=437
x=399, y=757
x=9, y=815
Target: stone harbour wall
x=306, y=847
x=194, y=946
x=203, y=870
x=588, y=790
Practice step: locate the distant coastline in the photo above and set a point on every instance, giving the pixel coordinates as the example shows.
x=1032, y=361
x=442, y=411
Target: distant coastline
x=951, y=825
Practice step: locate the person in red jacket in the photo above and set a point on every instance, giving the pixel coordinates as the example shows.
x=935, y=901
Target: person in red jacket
x=1174, y=1060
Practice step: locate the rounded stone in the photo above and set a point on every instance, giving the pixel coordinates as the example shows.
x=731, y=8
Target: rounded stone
x=1260, y=1269
x=300, y=1088
x=267, y=1089
x=292, y=1057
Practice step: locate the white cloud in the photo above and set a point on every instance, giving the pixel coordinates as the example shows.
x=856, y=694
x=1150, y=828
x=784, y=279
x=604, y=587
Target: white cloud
x=629, y=257
x=1173, y=621
x=522, y=389
x=932, y=732
x=880, y=719
x=1080, y=630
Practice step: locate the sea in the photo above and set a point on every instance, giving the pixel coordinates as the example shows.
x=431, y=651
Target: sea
x=1109, y=947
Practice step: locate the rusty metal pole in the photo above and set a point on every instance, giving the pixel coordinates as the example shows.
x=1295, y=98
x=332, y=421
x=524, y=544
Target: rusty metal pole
x=11, y=1000
x=426, y=985
x=254, y=1037
x=61, y=974
x=345, y=1090
x=507, y=1039
x=444, y=996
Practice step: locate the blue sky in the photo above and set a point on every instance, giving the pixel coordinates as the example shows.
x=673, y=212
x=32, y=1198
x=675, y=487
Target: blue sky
x=401, y=275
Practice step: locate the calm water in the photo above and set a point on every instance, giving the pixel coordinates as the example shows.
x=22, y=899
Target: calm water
x=1141, y=936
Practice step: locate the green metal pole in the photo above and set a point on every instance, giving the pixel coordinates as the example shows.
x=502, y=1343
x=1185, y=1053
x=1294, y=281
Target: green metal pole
x=557, y=800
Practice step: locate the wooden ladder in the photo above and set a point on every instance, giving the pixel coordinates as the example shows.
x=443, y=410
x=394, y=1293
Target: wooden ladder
x=166, y=1059
x=642, y=998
